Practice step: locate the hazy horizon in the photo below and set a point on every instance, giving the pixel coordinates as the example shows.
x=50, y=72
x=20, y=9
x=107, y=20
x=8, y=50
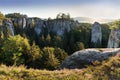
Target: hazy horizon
x=96, y=9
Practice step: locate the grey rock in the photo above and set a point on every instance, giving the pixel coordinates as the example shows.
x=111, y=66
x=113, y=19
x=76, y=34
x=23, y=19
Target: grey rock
x=29, y=22
x=114, y=39
x=20, y=22
x=56, y=26
x=9, y=25
x=60, y=26
x=85, y=57
x=23, y=22
x=39, y=25
x=96, y=34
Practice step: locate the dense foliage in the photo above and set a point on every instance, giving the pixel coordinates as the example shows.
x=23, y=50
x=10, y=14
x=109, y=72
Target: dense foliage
x=15, y=15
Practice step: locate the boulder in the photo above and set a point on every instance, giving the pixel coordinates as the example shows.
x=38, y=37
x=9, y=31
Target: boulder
x=85, y=57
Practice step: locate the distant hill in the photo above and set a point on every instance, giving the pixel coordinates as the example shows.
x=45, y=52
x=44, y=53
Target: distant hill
x=90, y=20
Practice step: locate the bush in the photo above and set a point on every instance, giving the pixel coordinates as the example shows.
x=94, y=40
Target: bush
x=60, y=54
x=13, y=49
x=50, y=61
x=17, y=51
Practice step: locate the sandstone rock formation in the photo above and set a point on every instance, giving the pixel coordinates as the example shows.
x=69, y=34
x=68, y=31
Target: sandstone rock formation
x=82, y=58
x=96, y=34
x=60, y=26
x=114, y=39
x=21, y=22
x=56, y=26
x=39, y=25
x=9, y=26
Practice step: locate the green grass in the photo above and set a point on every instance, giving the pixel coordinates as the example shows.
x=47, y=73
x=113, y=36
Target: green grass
x=107, y=70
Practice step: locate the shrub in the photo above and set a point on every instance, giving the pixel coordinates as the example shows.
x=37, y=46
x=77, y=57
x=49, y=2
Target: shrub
x=50, y=61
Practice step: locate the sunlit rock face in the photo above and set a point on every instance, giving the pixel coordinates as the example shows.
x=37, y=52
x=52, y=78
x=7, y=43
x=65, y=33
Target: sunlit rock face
x=96, y=35
x=114, y=38
x=9, y=26
x=29, y=22
x=60, y=26
x=22, y=22
x=55, y=26
x=39, y=25
x=85, y=57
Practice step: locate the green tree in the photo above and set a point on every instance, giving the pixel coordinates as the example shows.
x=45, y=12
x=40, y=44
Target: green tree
x=14, y=48
x=115, y=24
x=63, y=16
x=35, y=51
x=50, y=61
x=80, y=45
x=60, y=54
x=35, y=56
x=57, y=41
x=15, y=15
x=48, y=40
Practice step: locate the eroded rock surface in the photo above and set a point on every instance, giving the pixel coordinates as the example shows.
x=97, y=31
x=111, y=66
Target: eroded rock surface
x=96, y=34
x=9, y=26
x=85, y=57
x=114, y=38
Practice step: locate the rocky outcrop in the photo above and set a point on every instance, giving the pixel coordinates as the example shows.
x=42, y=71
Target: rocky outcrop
x=96, y=35
x=114, y=39
x=21, y=22
x=82, y=58
x=39, y=25
x=9, y=26
x=56, y=26
x=60, y=26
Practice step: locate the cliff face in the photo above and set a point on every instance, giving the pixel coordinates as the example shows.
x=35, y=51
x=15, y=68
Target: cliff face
x=114, y=38
x=96, y=34
x=9, y=26
x=57, y=26
x=33, y=26
x=60, y=26
x=39, y=25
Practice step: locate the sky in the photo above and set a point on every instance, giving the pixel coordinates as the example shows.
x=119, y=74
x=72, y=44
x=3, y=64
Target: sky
x=97, y=9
